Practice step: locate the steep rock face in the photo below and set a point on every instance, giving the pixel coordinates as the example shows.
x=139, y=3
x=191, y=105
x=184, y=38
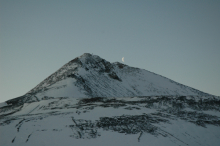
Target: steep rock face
x=91, y=76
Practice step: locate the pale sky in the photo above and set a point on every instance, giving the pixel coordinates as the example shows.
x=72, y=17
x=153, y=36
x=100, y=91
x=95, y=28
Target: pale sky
x=178, y=39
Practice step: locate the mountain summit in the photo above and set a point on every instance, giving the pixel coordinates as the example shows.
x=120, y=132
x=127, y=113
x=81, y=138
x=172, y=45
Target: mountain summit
x=91, y=76
x=90, y=101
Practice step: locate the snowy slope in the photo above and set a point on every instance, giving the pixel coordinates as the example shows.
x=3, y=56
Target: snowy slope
x=151, y=121
x=91, y=76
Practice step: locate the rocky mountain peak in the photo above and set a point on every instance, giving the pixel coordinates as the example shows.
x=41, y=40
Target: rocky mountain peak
x=92, y=76
x=95, y=63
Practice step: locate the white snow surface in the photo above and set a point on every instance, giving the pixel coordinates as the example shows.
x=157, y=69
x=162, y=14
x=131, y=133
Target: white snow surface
x=3, y=104
x=63, y=88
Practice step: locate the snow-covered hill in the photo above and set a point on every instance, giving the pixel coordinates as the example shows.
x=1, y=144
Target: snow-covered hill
x=91, y=76
x=90, y=101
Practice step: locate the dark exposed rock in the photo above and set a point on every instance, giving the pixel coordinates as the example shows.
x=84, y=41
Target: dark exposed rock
x=113, y=75
x=91, y=100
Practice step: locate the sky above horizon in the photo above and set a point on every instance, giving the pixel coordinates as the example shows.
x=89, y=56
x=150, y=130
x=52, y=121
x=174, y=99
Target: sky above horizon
x=176, y=39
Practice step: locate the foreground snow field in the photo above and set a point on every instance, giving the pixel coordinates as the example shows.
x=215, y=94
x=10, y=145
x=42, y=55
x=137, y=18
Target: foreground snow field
x=161, y=120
